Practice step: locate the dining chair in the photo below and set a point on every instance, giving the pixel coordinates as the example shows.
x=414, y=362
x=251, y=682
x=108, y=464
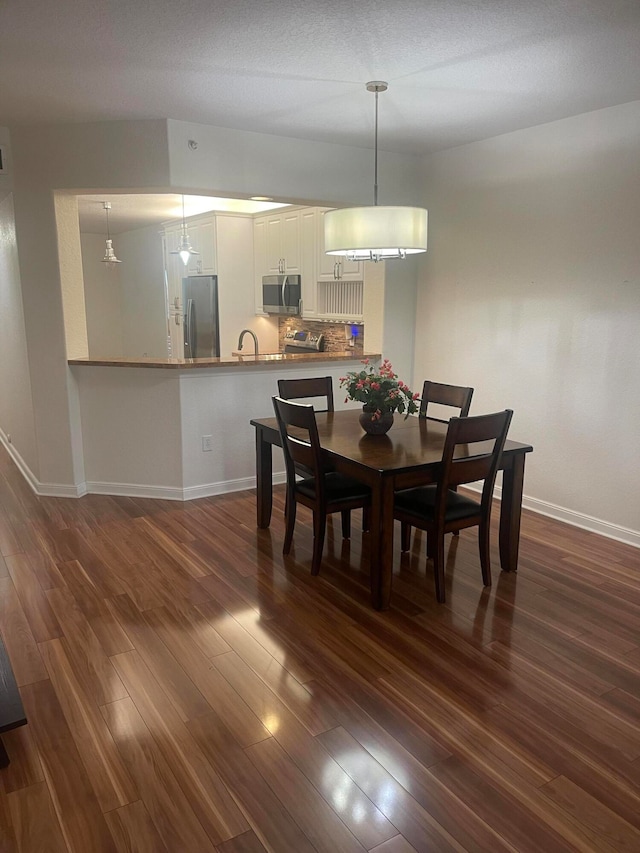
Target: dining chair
x=298, y=389
x=325, y=491
x=456, y=396
x=438, y=509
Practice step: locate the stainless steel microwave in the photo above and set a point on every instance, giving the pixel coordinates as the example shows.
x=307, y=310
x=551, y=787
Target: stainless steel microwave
x=281, y=294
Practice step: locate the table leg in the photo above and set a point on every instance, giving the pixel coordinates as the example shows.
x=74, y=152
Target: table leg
x=264, y=479
x=381, y=543
x=510, y=512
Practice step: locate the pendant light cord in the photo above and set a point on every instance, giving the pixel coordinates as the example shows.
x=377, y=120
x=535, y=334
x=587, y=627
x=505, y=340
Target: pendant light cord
x=106, y=210
x=375, y=180
x=376, y=86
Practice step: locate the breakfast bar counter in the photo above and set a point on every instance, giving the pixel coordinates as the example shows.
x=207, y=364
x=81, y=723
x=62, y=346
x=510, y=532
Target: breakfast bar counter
x=235, y=360
x=179, y=429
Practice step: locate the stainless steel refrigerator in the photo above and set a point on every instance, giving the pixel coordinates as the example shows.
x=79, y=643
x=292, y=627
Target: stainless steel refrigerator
x=201, y=325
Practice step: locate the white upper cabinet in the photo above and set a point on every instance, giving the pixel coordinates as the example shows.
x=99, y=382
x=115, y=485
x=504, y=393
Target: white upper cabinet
x=332, y=267
x=293, y=242
x=308, y=281
x=277, y=238
x=202, y=236
x=208, y=259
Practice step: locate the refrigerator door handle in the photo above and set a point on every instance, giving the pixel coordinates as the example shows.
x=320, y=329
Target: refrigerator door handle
x=189, y=330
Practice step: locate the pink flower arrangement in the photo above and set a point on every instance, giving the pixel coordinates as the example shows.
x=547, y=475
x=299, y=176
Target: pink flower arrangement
x=380, y=391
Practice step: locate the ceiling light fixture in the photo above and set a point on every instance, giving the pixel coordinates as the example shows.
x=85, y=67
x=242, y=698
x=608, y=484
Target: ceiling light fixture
x=185, y=249
x=380, y=232
x=109, y=259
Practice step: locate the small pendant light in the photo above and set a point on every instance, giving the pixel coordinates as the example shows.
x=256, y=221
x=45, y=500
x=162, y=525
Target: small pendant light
x=185, y=249
x=109, y=259
x=375, y=233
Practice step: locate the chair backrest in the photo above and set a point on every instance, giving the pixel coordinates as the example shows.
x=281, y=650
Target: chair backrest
x=300, y=442
x=489, y=433
x=446, y=395
x=297, y=389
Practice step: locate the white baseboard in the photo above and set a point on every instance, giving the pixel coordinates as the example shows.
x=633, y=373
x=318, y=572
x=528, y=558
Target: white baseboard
x=54, y=490
x=134, y=490
x=575, y=519
x=167, y=493
x=586, y=522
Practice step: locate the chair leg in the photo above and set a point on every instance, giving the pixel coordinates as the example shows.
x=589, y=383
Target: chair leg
x=405, y=536
x=431, y=545
x=483, y=543
x=438, y=566
x=291, y=505
x=319, y=527
x=366, y=519
x=346, y=523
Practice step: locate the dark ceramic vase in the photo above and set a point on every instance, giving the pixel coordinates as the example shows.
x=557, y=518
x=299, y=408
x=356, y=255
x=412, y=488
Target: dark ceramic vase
x=381, y=426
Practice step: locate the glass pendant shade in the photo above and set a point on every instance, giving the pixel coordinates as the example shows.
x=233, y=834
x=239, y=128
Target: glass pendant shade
x=110, y=261
x=375, y=233
x=379, y=232
x=185, y=249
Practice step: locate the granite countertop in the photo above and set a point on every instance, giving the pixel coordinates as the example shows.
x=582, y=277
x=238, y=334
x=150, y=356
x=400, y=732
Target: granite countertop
x=268, y=359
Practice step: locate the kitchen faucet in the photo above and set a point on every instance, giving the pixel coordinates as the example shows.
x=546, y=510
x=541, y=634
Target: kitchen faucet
x=253, y=335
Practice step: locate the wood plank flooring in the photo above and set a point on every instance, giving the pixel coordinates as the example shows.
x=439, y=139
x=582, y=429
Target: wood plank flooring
x=188, y=689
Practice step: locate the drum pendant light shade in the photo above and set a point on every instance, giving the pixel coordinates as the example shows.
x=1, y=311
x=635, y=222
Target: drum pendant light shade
x=378, y=232
x=375, y=233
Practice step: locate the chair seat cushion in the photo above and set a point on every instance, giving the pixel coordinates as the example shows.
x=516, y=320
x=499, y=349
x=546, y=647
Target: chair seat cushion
x=337, y=487
x=421, y=503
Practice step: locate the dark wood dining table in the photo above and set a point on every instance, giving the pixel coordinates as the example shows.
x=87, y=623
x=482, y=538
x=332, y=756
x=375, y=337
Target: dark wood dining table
x=409, y=455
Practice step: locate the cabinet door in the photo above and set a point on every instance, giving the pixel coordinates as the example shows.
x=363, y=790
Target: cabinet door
x=194, y=266
x=351, y=270
x=259, y=258
x=273, y=246
x=208, y=253
x=309, y=284
x=290, y=241
x=326, y=265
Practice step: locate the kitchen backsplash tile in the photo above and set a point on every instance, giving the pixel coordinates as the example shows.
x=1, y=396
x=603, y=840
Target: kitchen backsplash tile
x=335, y=334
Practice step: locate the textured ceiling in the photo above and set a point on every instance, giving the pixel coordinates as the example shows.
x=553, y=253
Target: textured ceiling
x=459, y=70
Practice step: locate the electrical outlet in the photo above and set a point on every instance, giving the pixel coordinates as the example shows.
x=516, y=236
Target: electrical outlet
x=207, y=443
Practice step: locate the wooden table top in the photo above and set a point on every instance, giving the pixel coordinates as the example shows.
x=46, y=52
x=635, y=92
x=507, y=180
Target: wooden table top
x=409, y=443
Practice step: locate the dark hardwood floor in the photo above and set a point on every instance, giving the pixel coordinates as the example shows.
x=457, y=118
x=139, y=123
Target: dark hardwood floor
x=188, y=689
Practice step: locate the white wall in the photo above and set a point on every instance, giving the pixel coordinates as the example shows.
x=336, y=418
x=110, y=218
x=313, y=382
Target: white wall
x=530, y=292
x=118, y=155
x=221, y=403
x=103, y=299
x=400, y=294
x=144, y=311
x=16, y=408
x=6, y=176
x=237, y=161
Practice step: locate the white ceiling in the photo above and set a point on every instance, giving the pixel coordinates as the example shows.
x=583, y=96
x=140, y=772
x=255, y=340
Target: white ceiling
x=459, y=70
